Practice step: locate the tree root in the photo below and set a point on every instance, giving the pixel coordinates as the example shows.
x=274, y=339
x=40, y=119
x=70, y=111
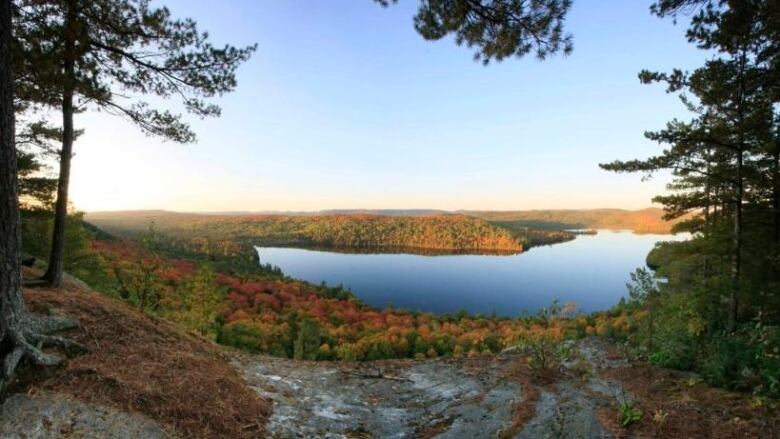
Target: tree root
x=48, y=324
x=27, y=339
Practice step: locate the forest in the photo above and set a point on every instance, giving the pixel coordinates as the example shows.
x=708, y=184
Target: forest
x=708, y=306
x=475, y=232
x=446, y=232
x=650, y=220
x=258, y=309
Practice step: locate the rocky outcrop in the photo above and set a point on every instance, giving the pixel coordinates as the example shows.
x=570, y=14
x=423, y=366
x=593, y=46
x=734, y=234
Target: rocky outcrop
x=52, y=415
x=445, y=398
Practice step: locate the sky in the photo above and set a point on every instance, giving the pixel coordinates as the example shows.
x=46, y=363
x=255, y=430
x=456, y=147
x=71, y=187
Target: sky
x=344, y=105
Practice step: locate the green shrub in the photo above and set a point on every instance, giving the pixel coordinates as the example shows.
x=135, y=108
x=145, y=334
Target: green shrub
x=544, y=351
x=309, y=340
x=748, y=360
x=629, y=414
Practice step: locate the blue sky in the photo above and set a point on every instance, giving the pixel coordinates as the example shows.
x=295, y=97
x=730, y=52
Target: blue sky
x=344, y=105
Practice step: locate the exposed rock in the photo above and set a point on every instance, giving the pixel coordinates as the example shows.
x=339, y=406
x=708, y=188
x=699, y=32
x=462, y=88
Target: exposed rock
x=444, y=398
x=52, y=415
x=454, y=398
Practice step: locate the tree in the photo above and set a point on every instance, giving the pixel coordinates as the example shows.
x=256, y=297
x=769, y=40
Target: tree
x=21, y=333
x=139, y=272
x=10, y=275
x=33, y=145
x=723, y=160
x=643, y=292
x=497, y=29
x=197, y=303
x=308, y=340
x=108, y=55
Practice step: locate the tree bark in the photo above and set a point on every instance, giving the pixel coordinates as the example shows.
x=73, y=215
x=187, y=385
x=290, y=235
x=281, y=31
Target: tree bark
x=56, y=258
x=22, y=335
x=706, y=227
x=10, y=274
x=776, y=199
x=736, y=255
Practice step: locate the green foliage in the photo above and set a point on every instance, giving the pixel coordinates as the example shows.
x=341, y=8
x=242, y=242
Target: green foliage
x=748, y=360
x=335, y=292
x=196, y=303
x=718, y=308
x=118, y=52
x=498, y=29
x=308, y=340
x=36, y=150
x=629, y=414
x=34, y=147
x=649, y=220
x=254, y=337
x=232, y=235
x=531, y=237
x=36, y=226
x=545, y=349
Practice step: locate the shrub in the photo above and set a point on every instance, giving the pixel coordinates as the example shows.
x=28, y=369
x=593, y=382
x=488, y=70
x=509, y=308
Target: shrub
x=308, y=342
x=629, y=414
x=543, y=350
x=748, y=360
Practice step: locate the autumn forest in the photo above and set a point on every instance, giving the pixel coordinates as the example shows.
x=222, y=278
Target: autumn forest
x=171, y=318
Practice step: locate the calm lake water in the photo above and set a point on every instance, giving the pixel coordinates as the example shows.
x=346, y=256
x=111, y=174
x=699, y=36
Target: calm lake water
x=592, y=271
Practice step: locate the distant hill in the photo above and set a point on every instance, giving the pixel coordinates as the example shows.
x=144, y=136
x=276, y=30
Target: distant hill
x=384, y=212
x=648, y=220
x=456, y=233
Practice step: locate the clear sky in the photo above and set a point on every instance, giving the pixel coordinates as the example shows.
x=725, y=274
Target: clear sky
x=344, y=105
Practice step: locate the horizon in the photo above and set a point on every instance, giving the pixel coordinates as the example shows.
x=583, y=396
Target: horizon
x=358, y=210
x=347, y=105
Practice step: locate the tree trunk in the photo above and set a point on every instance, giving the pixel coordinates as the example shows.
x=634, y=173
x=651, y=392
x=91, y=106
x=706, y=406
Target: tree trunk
x=736, y=255
x=10, y=275
x=776, y=199
x=22, y=335
x=706, y=226
x=54, y=271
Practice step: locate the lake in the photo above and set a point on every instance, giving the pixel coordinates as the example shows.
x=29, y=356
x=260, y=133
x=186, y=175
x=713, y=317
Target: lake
x=592, y=271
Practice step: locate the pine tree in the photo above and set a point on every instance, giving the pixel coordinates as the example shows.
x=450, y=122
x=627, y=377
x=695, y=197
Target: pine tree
x=497, y=29
x=197, y=304
x=308, y=340
x=109, y=55
x=724, y=160
x=21, y=334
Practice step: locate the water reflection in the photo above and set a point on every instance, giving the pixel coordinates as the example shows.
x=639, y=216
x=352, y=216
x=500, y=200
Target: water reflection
x=591, y=271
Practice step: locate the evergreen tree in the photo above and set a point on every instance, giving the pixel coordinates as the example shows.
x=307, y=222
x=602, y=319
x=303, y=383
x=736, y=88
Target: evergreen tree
x=196, y=305
x=34, y=145
x=308, y=340
x=723, y=161
x=109, y=55
x=496, y=29
x=22, y=335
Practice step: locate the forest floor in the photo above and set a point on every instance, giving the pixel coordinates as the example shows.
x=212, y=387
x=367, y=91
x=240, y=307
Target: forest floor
x=498, y=397
x=143, y=377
